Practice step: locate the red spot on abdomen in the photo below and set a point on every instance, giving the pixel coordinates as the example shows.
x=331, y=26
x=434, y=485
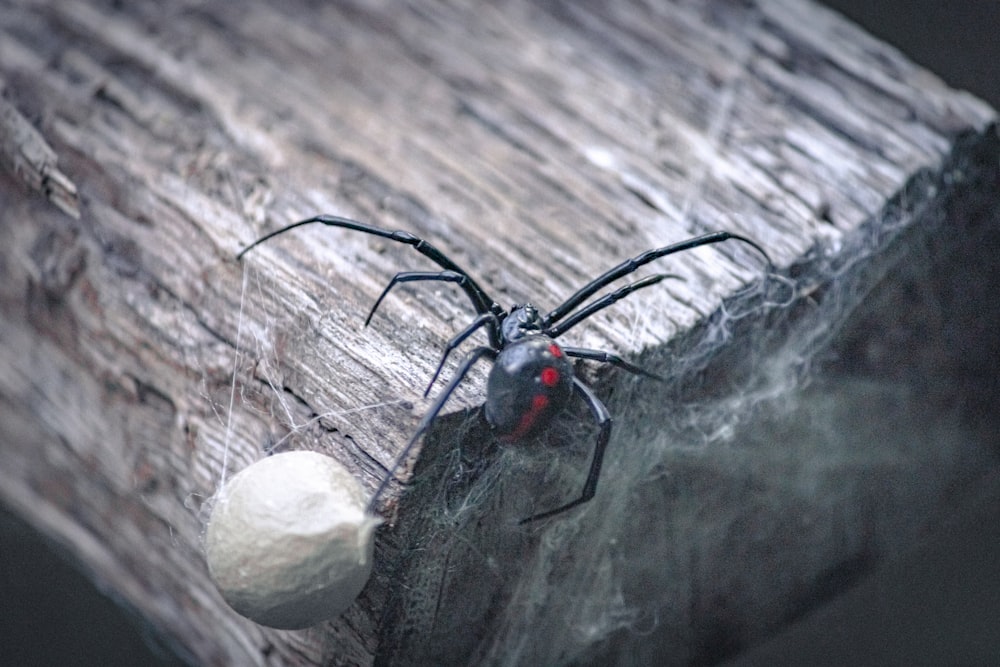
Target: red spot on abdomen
x=528, y=420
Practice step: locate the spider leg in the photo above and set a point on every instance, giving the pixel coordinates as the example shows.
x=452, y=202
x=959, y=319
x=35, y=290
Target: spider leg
x=444, y=276
x=480, y=300
x=416, y=276
x=609, y=358
x=630, y=265
x=460, y=337
x=425, y=423
x=603, y=419
x=559, y=329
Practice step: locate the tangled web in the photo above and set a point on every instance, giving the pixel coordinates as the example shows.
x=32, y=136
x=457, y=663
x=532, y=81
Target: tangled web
x=804, y=432
x=809, y=428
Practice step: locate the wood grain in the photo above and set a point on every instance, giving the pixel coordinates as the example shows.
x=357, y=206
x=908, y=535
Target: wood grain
x=538, y=144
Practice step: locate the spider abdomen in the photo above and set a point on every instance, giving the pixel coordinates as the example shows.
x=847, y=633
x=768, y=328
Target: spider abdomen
x=531, y=380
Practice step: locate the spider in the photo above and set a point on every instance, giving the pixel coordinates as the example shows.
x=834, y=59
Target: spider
x=532, y=377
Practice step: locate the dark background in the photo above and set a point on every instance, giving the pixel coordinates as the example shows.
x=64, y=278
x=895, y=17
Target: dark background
x=959, y=41
x=50, y=614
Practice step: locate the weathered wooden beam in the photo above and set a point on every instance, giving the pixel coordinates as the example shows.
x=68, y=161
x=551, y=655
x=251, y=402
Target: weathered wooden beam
x=538, y=145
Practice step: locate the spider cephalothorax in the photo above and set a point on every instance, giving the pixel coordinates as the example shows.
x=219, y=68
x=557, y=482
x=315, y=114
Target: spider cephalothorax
x=532, y=377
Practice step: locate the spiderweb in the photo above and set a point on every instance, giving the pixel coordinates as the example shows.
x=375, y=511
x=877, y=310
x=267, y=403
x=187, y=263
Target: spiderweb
x=803, y=445
x=814, y=426
x=743, y=509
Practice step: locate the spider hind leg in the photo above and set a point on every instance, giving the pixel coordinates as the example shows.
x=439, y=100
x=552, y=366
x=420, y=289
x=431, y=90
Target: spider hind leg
x=603, y=419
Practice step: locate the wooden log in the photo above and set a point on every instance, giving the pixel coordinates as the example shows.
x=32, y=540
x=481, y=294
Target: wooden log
x=538, y=145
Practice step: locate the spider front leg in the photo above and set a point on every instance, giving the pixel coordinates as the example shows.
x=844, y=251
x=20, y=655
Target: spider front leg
x=603, y=419
x=608, y=299
x=490, y=320
x=630, y=265
x=480, y=301
x=417, y=276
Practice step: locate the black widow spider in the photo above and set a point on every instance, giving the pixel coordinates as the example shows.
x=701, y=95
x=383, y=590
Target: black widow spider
x=532, y=378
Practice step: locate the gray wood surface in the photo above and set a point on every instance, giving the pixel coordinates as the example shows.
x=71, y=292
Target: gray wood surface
x=536, y=144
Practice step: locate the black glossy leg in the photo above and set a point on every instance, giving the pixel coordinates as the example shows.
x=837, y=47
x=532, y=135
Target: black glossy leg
x=418, y=276
x=480, y=301
x=558, y=329
x=425, y=423
x=485, y=320
x=630, y=265
x=609, y=358
x=603, y=419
